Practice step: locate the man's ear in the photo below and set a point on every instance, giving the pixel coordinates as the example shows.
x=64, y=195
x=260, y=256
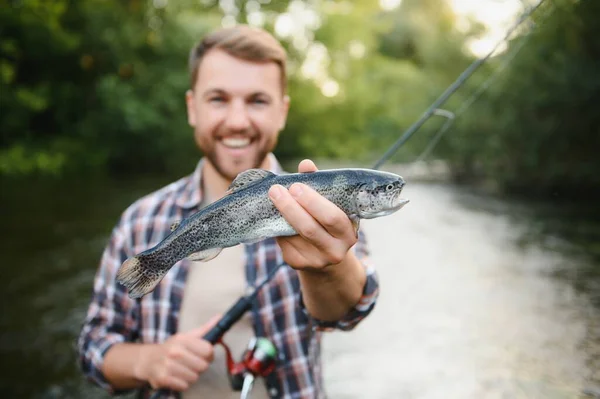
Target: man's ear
x=285, y=110
x=190, y=103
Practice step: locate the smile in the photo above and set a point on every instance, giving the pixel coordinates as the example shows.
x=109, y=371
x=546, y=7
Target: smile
x=236, y=142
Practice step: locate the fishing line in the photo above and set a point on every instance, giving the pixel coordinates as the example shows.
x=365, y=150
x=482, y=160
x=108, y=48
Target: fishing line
x=483, y=87
x=466, y=74
x=450, y=116
x=467, y=103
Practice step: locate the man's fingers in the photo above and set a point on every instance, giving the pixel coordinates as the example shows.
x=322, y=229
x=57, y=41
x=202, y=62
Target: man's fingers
x=195, y=351
x=194, y=355
x=201, y=331
x=200, y=348
x=178, y=384
x=332, y=218
x=298, y=217
x=182, y=372
x=302, y=254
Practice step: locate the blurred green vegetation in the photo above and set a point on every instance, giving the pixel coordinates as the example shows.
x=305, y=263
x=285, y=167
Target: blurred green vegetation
x=537, y=129
x=94, y=87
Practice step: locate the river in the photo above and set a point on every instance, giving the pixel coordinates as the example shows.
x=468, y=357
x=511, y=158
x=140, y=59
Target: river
x=481, y=296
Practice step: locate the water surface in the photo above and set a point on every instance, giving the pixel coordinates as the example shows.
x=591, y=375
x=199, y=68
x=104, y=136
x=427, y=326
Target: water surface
x=481, y=297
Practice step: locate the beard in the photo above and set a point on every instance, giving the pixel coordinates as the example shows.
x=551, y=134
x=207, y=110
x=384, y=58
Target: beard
x=229, y=168
x=212, y=156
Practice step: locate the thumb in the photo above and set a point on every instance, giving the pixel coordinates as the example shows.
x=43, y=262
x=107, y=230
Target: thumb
x=203, y=329
x=307, y=166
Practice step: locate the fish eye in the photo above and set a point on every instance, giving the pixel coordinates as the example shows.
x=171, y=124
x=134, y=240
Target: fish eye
x=389, y=187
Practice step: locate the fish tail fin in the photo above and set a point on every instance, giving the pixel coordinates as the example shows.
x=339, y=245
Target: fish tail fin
x=139, y=281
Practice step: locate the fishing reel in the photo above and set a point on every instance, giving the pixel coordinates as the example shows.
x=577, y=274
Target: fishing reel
x=258, y=360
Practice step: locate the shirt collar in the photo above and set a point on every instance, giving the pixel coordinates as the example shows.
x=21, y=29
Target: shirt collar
x=191, y=194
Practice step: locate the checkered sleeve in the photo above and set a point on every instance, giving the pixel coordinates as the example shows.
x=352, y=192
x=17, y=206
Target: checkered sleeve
x=369, y=296
x=112, y=316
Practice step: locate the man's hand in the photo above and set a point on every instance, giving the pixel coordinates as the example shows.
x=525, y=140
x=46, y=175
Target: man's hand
x=178, y=362
x=331, y=276
x=325, y=233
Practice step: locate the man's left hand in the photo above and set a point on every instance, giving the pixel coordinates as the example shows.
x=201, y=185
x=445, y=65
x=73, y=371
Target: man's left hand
x=325, y=233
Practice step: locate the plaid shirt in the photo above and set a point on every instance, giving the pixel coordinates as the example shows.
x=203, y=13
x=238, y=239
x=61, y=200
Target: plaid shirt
x=113, y=317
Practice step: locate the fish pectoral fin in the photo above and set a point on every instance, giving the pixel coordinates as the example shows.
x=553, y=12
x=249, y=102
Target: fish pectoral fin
x=248, y=178
x=175, y=225
x=355, y=223
x=205, y=256
x=253, y=241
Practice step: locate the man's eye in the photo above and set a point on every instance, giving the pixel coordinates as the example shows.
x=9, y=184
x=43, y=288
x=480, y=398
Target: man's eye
x=259, y=101
x=216, y=99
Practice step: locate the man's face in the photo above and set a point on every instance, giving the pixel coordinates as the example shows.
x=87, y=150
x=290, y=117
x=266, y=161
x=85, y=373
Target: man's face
x=237, y=110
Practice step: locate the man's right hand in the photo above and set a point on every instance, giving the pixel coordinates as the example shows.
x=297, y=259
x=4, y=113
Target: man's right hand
x=178, y=362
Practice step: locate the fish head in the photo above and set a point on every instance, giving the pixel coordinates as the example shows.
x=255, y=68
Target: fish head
x=380, y=196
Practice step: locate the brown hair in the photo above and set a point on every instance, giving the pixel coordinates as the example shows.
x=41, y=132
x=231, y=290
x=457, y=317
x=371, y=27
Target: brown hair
x=241, y=41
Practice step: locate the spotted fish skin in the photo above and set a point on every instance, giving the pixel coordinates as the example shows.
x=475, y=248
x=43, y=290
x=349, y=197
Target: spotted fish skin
x=246, y=214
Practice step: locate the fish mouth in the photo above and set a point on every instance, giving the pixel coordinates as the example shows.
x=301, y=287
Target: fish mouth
x=395, y=204
x=398, y=202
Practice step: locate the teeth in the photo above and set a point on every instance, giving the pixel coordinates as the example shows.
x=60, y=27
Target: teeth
x=232, y=142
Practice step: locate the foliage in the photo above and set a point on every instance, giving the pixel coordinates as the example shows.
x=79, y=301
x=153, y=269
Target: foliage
x=85, y=83
x=537, y=129
x=381, y=90
x=96, y=86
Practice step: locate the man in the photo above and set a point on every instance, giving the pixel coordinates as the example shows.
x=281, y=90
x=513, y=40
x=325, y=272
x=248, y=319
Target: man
x=237, y=106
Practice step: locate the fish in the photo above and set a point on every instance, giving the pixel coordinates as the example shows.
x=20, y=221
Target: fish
x=246, y=214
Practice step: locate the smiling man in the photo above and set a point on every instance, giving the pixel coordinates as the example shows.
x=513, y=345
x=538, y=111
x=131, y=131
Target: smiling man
x=237, y=105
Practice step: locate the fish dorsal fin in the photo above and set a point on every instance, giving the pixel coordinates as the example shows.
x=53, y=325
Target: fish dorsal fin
x=248, y=178
x=175, y=225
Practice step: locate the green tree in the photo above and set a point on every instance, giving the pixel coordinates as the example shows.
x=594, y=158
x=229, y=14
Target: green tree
x=537, y=130
x=86, y=83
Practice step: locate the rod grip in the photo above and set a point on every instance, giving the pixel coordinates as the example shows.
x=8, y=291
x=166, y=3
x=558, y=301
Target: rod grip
x=214, y=335
x=229, y=319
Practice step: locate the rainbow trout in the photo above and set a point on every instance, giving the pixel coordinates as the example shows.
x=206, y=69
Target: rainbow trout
x=247, y=215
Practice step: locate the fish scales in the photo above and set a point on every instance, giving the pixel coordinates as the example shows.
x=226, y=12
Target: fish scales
x=246, y=214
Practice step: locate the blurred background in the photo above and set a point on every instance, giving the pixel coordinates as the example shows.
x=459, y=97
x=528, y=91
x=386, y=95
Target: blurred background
x=490, y=277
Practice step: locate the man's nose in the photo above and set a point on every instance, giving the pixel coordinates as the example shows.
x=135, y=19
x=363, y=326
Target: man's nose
x=237, y=117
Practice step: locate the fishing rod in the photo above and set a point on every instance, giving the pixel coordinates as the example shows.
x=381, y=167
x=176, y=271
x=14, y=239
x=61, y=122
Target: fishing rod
x=234, y=313
x=462, y=78
x=482, y=88
x=244, y=303
x=231, y=316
